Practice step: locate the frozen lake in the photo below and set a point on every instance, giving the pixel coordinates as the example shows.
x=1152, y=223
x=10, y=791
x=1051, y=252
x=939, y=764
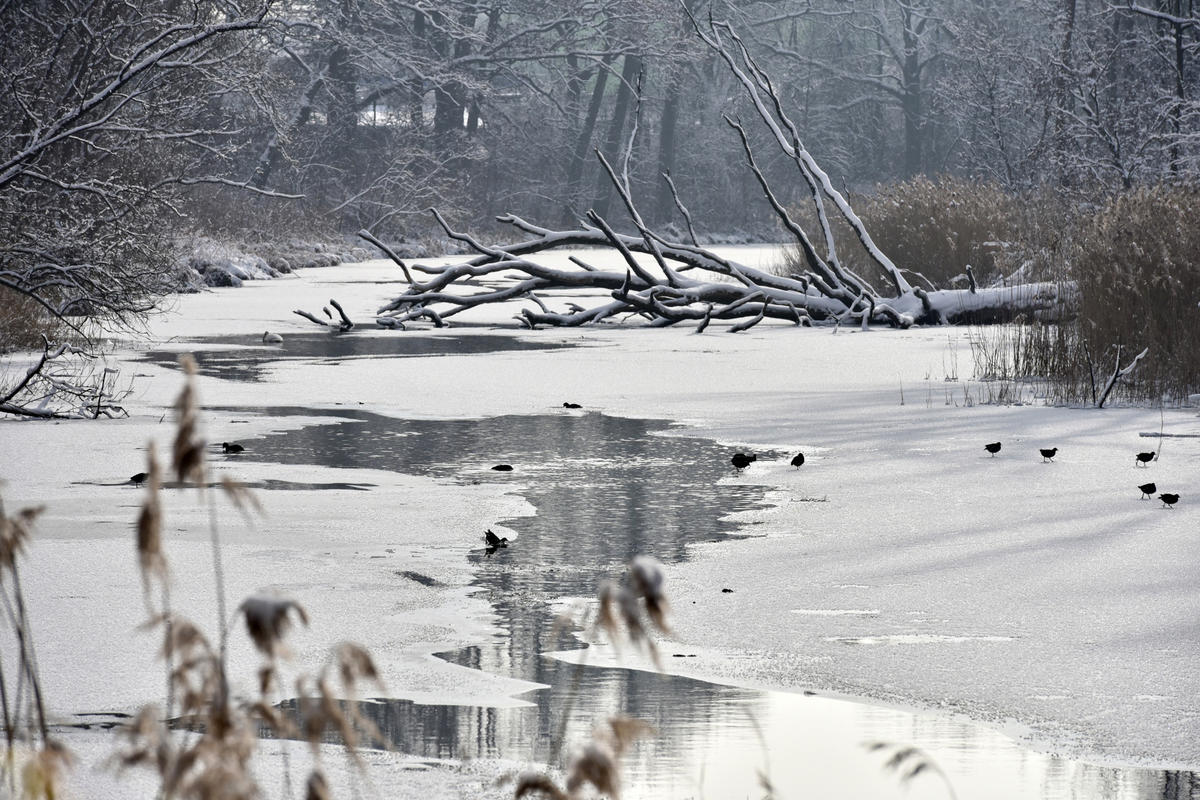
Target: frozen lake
x=841, y=590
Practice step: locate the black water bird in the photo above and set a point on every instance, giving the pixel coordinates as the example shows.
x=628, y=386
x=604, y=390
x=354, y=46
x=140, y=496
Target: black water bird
x=232, y=448
x=1143, y=458
x=1147, y=489
x=798, y=460
x=503, y=468
x=1048, y=455
x=740, y=461
x=139, y=479
x=493, y=540
x=992, y=448
x=1168, y=499
x=572, y=405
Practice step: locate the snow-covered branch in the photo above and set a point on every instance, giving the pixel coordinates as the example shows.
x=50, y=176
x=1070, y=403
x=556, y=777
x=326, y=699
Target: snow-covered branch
x=62, y=382
x=666, y=282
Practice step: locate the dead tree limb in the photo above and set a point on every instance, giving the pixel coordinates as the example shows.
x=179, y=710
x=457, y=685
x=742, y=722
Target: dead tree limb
x=64, y=382
x=1119, y=373
x=665, y=282
x=341, y=326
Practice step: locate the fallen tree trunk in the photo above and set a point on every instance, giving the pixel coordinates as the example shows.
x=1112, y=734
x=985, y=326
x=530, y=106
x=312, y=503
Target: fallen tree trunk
x=666, y=282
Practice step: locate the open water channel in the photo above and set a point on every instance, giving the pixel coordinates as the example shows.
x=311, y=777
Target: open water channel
x=606, y=489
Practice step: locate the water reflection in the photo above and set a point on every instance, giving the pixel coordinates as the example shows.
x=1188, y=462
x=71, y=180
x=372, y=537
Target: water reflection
x=606, y=489
x=248, y=362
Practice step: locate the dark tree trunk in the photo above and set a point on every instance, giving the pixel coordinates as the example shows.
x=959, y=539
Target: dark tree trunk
x=616, y=126
x=450, y=102
x=911, y=102
x=1064, y=81
x=342, y=111
x=416, y=91
x=664, y=204
x=575, y=167
x=341, y=81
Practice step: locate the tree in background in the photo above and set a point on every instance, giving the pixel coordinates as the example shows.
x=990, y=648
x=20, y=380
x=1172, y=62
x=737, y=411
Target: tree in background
x=111, y=111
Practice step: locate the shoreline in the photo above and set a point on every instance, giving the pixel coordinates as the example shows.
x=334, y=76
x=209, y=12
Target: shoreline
x=908, y=506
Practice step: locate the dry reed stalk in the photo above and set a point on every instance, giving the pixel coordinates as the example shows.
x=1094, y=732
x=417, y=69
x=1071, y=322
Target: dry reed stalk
x=597, y=763
x=41, y=772
x=214, y=763
x=907, y=762
x=149, y=526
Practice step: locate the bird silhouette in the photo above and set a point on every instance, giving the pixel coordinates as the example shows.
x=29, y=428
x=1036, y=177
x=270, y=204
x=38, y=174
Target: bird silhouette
x=1143, y=458
x=272, y=338
x=232, y=448
x=992, y=448
x=798, y=460
x=572, y=405
x=493, y=540
x=740, y=461
x=1048, y=455
x=503, y=468
x=1147, y=490
x=139, y=479
x=1168, y=499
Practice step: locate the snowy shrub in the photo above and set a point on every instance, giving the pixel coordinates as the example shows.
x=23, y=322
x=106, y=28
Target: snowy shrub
x=1137, y=261
x=23, y=321
x=222, y=265
x=938, y=226
x=934, y=227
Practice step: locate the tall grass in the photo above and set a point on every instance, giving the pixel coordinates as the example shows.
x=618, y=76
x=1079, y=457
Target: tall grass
x=23, y=322
x=1134, y=258
x=933, y=228
x=202, y=741
x=1136, y=261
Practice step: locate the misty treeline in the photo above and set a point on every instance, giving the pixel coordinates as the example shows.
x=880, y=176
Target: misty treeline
x=121, y=118
x=124, y=126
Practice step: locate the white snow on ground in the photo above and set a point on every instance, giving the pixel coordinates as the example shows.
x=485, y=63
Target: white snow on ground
x=899, y=563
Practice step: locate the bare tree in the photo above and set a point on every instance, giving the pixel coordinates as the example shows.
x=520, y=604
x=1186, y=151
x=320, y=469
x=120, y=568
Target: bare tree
x=685, y=282
x=880, y=54
x=1088, y=97
x=110, y=111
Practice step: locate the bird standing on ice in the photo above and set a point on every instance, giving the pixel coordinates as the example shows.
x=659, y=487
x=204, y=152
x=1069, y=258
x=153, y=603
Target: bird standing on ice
x=740, y=461
x=798, y=460
x=1143, y=458
x=992, y=448
x=1048, y=455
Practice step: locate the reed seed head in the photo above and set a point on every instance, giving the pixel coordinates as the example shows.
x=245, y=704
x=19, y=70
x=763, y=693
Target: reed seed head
x=535, y=783
x=149, y=525
x=317, y=788
x=268, y=619
x=14, y=533
x=187, y=458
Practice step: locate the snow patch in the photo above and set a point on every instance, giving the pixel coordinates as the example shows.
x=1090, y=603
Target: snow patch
x=915, y=638
x=837, y=612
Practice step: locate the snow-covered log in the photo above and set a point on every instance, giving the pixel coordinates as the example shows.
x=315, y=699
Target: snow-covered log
x=1118, y=374
x=61, y=383
x=666, y=282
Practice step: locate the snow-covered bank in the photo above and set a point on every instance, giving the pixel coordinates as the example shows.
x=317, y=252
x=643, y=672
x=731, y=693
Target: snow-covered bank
x=900, y=561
